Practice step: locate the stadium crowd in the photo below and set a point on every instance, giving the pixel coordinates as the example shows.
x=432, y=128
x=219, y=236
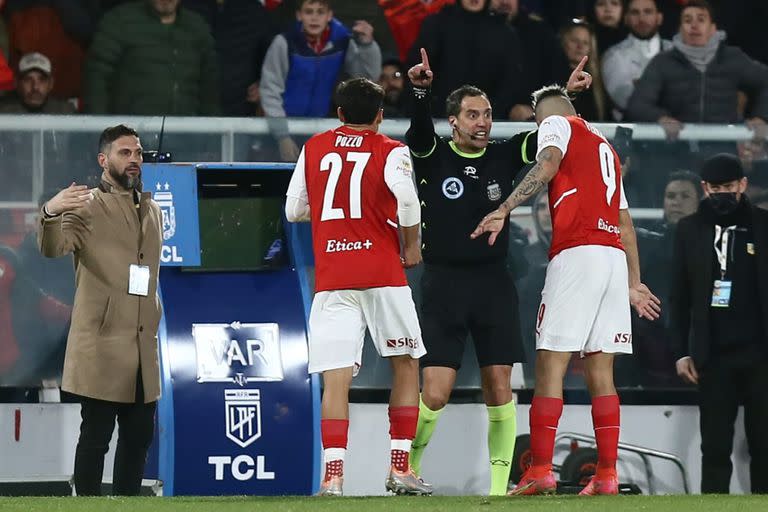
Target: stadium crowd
x=279, y=59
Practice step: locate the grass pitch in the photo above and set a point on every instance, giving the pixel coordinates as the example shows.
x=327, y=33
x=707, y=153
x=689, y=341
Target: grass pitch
x=392, y=504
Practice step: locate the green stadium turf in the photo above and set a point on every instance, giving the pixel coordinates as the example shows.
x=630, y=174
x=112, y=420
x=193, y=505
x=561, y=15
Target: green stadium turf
x=392, y=504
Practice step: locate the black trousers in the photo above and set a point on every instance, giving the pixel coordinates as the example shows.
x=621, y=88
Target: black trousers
x=136, y=425
x=723, y=386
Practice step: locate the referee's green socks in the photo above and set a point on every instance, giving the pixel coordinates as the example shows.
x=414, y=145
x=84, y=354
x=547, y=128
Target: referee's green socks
x=502, y=433
x=424, y=429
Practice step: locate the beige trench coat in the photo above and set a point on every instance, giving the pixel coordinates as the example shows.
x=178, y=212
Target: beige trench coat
x=112, y=333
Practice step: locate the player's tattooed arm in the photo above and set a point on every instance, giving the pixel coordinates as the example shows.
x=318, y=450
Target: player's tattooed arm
x=537, y=178
x=542, y=173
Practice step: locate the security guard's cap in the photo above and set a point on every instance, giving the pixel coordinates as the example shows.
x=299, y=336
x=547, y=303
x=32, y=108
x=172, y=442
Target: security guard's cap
x=722, y=168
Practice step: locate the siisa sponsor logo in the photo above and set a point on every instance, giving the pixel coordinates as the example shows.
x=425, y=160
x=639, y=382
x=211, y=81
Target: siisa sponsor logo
x=623, y=337
x=403, y=342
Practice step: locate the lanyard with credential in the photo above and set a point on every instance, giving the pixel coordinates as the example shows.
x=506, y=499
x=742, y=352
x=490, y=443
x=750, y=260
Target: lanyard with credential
x=721, y=246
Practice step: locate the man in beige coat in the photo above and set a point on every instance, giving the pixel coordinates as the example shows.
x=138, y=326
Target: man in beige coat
x=111, y=363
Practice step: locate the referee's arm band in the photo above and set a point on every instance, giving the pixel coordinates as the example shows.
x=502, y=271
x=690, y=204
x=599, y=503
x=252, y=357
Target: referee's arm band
x=432, y=150
x=524, y=149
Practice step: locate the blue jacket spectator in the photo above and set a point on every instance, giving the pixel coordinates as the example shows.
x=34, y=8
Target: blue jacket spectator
x=303, y=65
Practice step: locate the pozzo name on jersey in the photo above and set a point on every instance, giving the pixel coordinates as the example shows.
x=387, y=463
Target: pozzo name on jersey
x=344, y=245
x=349, y=141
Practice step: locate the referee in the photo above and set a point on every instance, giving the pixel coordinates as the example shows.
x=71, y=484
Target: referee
x=466, y=288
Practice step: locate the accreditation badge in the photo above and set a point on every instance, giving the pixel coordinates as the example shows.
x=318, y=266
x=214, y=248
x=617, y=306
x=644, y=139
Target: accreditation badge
x=721, y=293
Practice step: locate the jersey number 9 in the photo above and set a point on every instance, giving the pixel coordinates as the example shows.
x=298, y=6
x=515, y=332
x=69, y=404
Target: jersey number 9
x=608, y=170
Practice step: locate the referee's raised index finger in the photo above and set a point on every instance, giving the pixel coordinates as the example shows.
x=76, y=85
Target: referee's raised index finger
x=424, y=59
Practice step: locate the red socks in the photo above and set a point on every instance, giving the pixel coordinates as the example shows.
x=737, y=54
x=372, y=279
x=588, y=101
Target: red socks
x=402, y=430
x=334, y=434
x=544, y=417
x=606, y=420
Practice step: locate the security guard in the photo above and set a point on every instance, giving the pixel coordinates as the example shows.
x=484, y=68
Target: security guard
x=466, y=288
x=719, y=320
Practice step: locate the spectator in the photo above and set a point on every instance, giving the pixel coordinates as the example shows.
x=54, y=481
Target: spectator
x=654, y=356
x=303, y=64
x=624, y=63
x=606, y=17
x=3, y=32
x=466, y=45
x=41, y=301
x=698, y=80
x=59, y=29
x=544, y=60
x=152, y=58
x=34, y=84
x=242, y=30
x=752, y=150
x=404, y=18
x=392, y=79
x=719, y=309
x=6, y=73
x=578, y=41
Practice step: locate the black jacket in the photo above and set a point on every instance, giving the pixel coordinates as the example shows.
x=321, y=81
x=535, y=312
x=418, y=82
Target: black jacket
x=243, y=31
x=476, y=49
x=544, y=62
x=693, y=276
x=671, y=86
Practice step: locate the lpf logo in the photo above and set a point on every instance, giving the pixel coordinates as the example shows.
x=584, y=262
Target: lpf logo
x=164, y=199
x=243, y=415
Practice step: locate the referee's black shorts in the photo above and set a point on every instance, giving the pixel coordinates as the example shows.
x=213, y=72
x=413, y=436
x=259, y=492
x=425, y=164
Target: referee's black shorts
x=480, y=300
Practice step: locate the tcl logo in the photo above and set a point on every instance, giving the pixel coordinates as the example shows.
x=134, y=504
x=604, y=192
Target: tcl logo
x=402, y=342
x=623, y=337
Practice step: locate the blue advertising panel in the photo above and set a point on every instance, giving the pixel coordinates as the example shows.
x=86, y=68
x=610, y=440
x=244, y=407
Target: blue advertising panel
x=174, y=188
x=243, y=420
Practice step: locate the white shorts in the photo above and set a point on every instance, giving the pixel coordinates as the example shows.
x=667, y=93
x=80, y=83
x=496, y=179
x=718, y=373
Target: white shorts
x=585, y=302
x=338, y=320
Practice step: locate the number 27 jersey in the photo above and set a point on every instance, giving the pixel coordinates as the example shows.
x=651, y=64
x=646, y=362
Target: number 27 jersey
x=348, y=174
x=586, y=194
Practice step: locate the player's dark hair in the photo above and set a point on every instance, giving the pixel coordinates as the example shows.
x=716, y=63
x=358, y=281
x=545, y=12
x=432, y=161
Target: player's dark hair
x=453, y=101
x=691, y=177
x=549, y=91
x=699, y=4
x=111, y=134
x=360, y=100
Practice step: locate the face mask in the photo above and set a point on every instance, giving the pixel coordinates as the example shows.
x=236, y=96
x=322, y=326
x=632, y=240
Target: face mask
x=723, y=202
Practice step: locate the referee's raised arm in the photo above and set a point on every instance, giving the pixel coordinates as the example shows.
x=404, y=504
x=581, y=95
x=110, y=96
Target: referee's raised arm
x=420, y=137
